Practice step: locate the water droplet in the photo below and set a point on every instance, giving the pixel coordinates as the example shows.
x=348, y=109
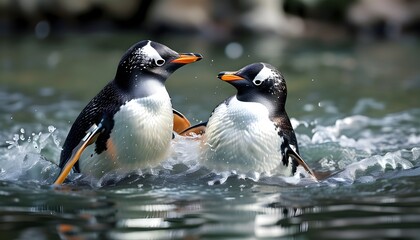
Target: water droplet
x=51, y=128
x=234, y=50
x=52, y=61
x=42, y=29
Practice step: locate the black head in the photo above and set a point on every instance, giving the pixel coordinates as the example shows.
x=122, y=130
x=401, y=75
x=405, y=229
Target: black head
x=259, y=82
x=150, y=60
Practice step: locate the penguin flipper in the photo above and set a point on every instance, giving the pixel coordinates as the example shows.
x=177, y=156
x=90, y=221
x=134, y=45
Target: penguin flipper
x=180, y=122
x=91, y=136
x=198, y=129
x=292, y=153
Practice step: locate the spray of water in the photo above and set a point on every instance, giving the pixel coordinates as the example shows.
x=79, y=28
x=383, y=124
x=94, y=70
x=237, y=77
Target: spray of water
x=355, y=149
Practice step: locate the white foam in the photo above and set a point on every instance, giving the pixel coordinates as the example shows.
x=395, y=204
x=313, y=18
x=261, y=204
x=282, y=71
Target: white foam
x=24, y=158
x=361, y=149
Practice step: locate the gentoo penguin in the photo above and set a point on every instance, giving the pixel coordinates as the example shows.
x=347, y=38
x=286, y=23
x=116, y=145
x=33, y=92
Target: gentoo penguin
x=251, y=131
x=131, y=120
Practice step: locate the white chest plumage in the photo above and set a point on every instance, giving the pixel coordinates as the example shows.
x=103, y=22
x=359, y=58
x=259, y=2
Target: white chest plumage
x=140, y=137
x=240, y=136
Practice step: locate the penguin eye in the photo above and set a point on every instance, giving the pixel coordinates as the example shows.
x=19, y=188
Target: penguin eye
x=159, y=62
x=257, y=82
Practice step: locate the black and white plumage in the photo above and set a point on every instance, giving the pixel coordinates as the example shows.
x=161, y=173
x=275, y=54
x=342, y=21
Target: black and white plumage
x=133, y=115
x=251, y=131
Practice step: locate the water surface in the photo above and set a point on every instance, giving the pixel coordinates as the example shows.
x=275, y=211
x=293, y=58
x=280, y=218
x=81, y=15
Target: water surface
x=354, y=106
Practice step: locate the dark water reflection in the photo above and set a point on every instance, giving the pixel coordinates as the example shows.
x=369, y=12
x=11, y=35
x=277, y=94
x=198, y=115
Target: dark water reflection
x=355, y=109
x=236, y=209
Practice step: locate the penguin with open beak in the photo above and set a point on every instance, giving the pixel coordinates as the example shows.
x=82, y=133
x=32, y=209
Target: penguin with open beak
x=251, y=131
x=129, y=124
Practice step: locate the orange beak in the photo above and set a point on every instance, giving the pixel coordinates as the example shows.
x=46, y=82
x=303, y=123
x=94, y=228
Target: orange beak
x=185, y=58
x=229, y=76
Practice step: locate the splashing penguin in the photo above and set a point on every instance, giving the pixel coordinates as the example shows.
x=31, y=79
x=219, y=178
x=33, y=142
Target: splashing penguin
x=131, y=120
x=251, y=131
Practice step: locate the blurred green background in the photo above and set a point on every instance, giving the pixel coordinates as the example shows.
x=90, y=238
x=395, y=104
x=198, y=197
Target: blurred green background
x=332, y=53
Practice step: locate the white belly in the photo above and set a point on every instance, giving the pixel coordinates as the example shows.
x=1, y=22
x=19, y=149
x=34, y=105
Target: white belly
x=241, y=137
x=140, y=137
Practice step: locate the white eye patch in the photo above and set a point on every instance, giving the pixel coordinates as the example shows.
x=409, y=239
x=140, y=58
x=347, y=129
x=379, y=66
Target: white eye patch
x=149, y=54
x=263, y=75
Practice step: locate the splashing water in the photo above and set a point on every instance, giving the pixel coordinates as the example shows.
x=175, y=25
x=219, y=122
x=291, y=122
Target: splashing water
x=23, y=158
x=363, y=148
x=357, y=148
